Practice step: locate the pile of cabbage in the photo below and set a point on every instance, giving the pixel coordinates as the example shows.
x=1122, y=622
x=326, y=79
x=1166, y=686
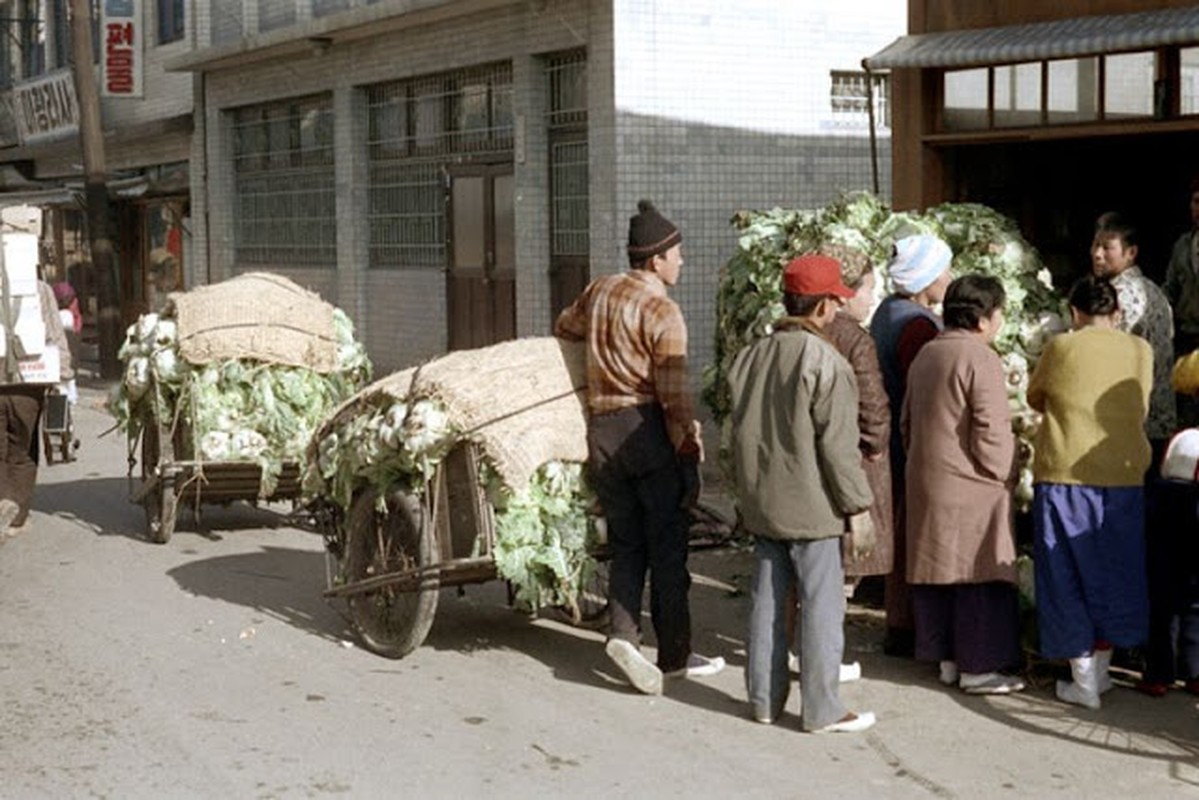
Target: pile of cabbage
x=236, y=410
x=750, y=295
x=543, y=531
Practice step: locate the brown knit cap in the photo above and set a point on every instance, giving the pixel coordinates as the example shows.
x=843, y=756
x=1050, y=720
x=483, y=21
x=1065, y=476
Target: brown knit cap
x=650, y=233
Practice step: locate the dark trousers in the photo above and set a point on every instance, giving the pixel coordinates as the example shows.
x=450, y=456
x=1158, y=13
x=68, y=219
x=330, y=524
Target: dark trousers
x=897, y=592
x=20, y=409
x=635, y=473
x=975, y=624
x=1172, y=554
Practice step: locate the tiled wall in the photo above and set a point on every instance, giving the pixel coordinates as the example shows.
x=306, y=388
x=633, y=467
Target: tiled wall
x=722, y=107
x=706, y=107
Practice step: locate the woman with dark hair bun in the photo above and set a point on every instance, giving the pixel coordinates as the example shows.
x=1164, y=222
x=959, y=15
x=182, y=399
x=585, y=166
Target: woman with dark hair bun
x=1093, y=387
x=961, y=554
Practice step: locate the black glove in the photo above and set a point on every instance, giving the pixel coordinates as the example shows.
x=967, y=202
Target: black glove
x=693, y=483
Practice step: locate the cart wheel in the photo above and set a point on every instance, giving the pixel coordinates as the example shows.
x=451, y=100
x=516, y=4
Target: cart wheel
x=392, y=621
x=160, y=503
x=593, y=598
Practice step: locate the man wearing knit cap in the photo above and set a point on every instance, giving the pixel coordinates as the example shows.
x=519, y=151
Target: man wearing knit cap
x=903, y=323
x=800, y=488
x=644, y=447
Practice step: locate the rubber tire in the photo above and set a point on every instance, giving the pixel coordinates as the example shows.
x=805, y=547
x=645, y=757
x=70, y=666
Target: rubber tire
x=391, y=622
x=161, y=505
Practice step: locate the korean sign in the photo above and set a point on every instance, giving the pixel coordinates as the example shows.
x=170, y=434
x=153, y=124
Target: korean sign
x=121, y=32
x=45, y=108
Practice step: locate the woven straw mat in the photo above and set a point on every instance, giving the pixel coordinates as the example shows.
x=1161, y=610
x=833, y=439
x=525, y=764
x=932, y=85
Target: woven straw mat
x=260, y=316
x=522, y=401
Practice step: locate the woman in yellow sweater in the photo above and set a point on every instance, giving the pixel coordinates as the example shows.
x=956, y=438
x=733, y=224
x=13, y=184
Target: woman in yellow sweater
x=1093, y=387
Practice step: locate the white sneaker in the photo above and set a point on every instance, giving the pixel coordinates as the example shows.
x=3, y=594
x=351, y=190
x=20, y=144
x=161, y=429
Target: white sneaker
x=850, y=723
x=645, y=677
x=698, y=667
x=1070, y=692
x=990, y=683
x=8, y=512
x=949, y=673
x=848, y=673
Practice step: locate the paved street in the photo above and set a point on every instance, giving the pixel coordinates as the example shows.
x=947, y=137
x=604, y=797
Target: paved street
x=211, y=667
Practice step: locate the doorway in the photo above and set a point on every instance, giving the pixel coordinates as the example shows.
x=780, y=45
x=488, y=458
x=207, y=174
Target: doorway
x=481, y=282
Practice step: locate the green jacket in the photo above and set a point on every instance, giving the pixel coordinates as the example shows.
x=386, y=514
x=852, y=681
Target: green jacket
x=796, y=463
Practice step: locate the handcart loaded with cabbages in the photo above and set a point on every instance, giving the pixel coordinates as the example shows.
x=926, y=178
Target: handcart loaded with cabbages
x=463, y=470
x=223, y=390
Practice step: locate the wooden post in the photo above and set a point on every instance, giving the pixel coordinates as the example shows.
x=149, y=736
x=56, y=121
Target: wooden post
x=95, y=175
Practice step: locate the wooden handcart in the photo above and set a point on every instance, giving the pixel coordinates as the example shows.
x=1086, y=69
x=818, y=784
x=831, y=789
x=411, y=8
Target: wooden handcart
x=394, y=564
x=172, y=477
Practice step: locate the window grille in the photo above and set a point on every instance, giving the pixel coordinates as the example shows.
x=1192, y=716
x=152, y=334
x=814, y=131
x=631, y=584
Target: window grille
x=170, y=21
x=413, y=128
x=284, y=193
x=566, y=84
x=566, y=117
x=274, y=14
x=848, y=97
x=323, y=8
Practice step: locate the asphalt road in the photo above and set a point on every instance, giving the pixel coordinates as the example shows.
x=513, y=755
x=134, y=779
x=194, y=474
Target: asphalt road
x=210, y=667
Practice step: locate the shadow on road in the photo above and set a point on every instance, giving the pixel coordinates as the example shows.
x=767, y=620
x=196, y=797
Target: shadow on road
x=283, y=583
x=102, y=506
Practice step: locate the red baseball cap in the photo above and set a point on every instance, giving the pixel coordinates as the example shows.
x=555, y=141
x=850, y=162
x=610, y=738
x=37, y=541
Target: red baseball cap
x=815, y=275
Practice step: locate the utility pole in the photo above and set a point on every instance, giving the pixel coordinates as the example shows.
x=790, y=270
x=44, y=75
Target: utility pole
x=95, y=188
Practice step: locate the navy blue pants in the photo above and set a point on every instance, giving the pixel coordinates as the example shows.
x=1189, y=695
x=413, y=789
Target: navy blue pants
x=1089, y=559
x=633, y=468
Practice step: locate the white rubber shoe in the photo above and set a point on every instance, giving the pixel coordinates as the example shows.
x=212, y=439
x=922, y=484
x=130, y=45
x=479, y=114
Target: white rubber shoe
x=645, y=677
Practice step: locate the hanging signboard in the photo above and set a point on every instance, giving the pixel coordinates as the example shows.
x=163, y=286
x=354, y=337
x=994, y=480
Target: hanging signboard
x=121, y=32
x=45, y=108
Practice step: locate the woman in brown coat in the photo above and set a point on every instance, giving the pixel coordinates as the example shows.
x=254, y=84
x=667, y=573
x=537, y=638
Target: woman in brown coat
x=874, y=414
x=960, y=453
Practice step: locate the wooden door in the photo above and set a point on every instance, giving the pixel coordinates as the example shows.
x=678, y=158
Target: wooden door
x=481, y=285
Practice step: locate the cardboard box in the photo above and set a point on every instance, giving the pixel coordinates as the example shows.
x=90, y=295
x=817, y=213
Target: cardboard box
x=20, y=263
x=44, y=368
x=28, y=326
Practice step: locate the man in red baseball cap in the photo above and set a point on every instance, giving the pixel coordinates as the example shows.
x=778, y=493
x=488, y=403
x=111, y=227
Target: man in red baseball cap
x=800, y=487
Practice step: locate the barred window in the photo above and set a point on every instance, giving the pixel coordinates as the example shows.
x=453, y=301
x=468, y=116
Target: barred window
x=413, y=128
x=566, y=117
x=284, y=194
x=848, y=97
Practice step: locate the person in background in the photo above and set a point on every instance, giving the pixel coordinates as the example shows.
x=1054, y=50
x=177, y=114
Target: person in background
x=874, y=412
x=903, y=323
x=1172, y=553
x=1144, y=312
x=800, y=488
x=20, y=409
x=1093, y=387
x=72, y=323
x=957, y=432
x=644, y=447
x=1182, y=290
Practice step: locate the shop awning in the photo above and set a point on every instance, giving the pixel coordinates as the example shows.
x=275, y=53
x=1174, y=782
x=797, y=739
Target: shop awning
x=1041, y=41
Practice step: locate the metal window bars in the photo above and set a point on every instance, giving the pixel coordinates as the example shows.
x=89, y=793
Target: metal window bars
x=848, y=97
x=566, y=118
x=414, y=128
x=284, y=190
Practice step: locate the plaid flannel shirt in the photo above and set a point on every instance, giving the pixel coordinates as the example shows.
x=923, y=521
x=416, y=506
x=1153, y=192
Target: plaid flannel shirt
x=636, y=350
